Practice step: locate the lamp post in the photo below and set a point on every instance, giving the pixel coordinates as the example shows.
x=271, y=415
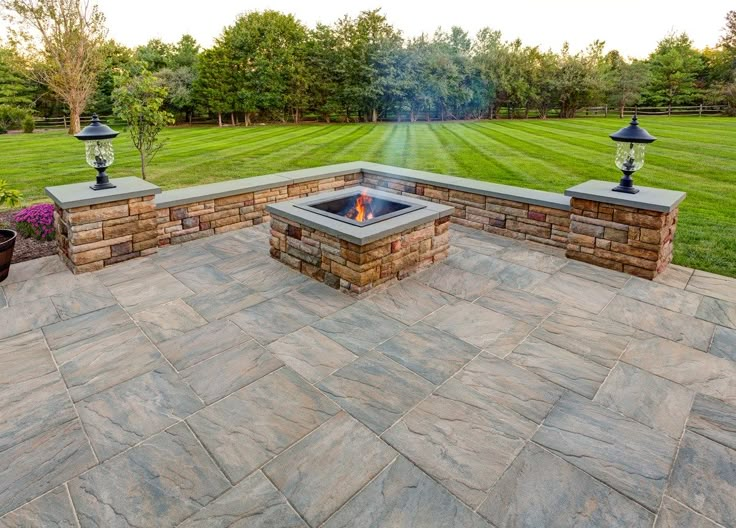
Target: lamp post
x=97, y=138
x=631, y=141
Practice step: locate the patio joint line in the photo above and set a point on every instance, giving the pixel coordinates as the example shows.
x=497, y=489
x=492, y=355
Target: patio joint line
x=74, y=508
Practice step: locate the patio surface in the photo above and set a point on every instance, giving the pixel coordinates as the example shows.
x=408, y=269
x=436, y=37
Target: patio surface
x=212, y=386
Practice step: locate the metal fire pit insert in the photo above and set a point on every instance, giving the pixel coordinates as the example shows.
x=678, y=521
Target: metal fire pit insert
x=380, y=207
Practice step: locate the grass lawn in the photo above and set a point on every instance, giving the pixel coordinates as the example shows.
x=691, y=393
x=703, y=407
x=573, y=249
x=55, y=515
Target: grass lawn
x=696, y=155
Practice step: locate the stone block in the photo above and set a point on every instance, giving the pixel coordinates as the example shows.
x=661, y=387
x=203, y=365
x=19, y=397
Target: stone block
x=93, y=255
x=616, y=235
x=121, y=249
x=98, y=215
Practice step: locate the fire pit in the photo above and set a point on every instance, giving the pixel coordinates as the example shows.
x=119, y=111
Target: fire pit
x=358, y=238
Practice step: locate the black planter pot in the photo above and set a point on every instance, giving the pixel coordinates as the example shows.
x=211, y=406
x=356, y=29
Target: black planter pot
x=6, y=251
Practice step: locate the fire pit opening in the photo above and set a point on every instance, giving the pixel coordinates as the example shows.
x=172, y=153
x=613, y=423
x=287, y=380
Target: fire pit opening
x=361, y=208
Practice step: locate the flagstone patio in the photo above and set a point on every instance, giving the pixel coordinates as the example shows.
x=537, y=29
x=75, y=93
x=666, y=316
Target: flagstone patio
x=210, y=385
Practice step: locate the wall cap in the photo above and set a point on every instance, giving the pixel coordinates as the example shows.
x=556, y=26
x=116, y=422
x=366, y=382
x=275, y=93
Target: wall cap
x=648, y=198
x=80, y=195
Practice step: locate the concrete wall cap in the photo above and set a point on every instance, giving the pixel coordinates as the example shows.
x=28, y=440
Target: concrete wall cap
x=80, y=194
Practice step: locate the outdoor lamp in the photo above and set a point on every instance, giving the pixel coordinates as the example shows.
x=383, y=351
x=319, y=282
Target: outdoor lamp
x=97, y=138
x=631, y=141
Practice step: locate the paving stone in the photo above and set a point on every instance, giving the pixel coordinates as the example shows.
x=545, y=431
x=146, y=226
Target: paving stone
x=231, y=246
x=319, y=298
x=713, y=285
x=653, y=401
x=168, y=320
x=717, y=311
x=145, y=292
x=184, y=258
x=241, y=263
x=661, y=295
x=476, y=244
x=91, y=326
x=724, y=343
x=49, y=511
x=41, y=463
x=203, y=278
x=462, y=439
x=533, y=259
x=520, y=277
x=225, y=300
x=128, y=270
x=134, y=410
x=511, y=386
x=268, y=321
x=3, y=300
x=229, y=371
x=254, y=503
x=23, y=358
x=375, y=390
x=42, y=287
x=672, y=514
x=704, y=373
x=704, y=478
x=518, y=304
x=559, y=366
x=614, y=279
x=271, y=278
x=575, y=291
x=675, y=276
x=661, y=322
x=320, y=473
x=359, y=327
x=257, y=423
x=713, y=419
x=431, y=353
x=593, y=337
x=167, y=478
x=459, y=283
x=480, y=327
x=202, y=343
x=35, y=268
x=87, y=298
x=27, y=316
x=106, y=362
x=403, y=496
x=485, y=265
x=310, y=353
x=628, y=456
x=409, y=301
x=540, y=489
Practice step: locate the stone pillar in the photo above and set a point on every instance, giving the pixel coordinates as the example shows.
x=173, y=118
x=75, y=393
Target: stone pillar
x=633, y=233
x=95, y=229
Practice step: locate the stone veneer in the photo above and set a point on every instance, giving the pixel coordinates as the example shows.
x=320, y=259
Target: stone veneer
x=355, y=268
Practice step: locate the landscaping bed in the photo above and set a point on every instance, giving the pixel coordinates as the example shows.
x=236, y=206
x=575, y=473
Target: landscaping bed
x=26, y=248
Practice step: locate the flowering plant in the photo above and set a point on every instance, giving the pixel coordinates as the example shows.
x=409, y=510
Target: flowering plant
x=36, y=221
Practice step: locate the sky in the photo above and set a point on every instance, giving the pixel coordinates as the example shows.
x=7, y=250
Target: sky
x=631, y=26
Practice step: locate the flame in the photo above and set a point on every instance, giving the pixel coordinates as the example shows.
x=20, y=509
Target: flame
x=361, y=212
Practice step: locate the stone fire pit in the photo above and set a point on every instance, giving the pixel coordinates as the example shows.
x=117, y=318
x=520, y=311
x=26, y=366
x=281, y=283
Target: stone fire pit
x=358, y=238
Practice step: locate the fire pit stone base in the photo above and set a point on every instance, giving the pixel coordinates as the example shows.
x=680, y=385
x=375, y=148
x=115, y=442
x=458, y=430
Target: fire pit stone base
x=354, y=268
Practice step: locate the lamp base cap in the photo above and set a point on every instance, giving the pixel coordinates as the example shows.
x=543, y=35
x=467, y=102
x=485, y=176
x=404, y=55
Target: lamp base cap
x=100, y=186
x=624, y=189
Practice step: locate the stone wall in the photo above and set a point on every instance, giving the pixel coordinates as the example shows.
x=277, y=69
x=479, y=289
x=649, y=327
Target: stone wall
x=356, y=269
x=502, y=217
x=198, y=219
x=635, y=241
x=94, y=236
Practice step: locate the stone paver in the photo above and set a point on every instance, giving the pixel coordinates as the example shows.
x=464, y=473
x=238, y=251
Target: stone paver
x=210, y=385
x=376, y=390
x=462, y=439
x=403, y=496
x=659, y=403
x=540, y=489
x=256, y=423
x=320, y=473
x=703, y=478
x=626, y=455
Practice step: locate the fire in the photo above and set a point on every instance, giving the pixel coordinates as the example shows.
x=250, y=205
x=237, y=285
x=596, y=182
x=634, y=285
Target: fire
x=362, y=209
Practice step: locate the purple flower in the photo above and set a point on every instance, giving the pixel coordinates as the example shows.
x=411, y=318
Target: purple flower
x=36, y=221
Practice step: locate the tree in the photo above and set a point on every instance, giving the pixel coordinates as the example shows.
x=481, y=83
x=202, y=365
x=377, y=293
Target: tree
x=15, y=90
x=65, y=36
x=674, y=67
x=579, y=78
x=139, y=101
x=214, y=89
x=116, y=59
x=624, y=81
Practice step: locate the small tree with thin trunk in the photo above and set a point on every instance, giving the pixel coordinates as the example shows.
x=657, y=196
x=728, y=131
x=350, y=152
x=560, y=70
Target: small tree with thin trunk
x=64, y=37
x=138, y=101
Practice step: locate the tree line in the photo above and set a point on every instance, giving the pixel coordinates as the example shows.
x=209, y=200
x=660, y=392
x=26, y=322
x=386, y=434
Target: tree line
x=268, y=66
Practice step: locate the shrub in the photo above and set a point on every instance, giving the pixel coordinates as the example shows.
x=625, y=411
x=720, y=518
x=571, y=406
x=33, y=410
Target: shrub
x=36, y=221
x=11, y=117
x=29, y=125
x=8, y=196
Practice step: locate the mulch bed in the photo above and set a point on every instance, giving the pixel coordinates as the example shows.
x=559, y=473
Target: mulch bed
x=26, y=248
